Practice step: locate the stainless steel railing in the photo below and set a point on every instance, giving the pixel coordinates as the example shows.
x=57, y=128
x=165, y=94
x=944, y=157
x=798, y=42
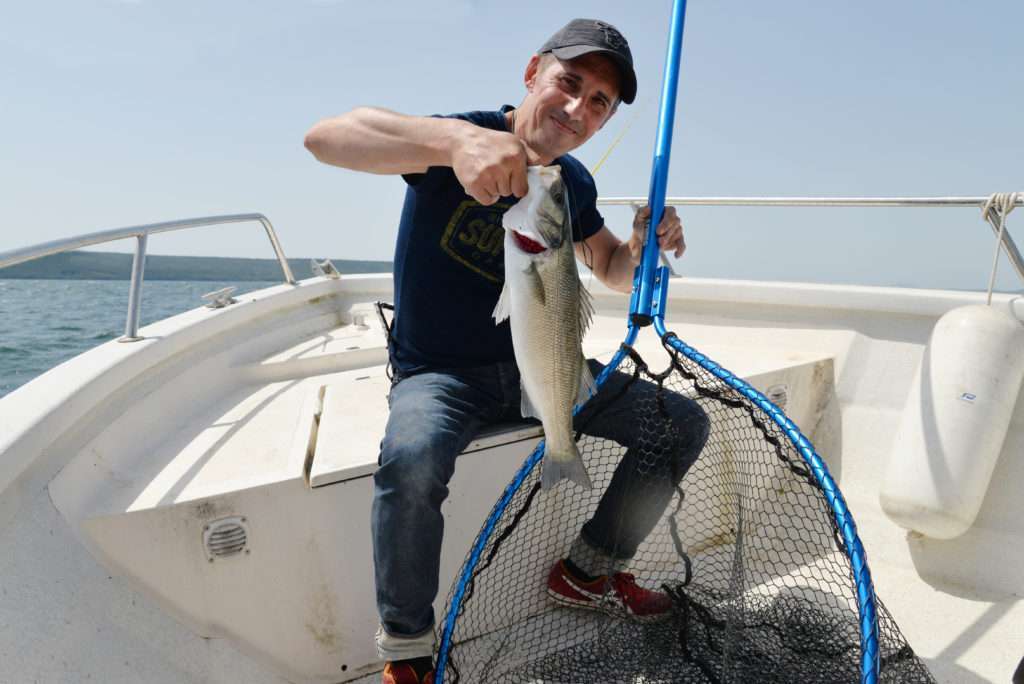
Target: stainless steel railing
x=141, y=234
x=1008, y=245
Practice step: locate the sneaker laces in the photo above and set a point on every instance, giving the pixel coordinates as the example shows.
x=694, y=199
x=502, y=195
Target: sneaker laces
x=625, y=584
x=637, y=599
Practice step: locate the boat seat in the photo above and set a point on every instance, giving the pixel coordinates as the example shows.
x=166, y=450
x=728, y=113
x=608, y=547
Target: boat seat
x=352, y=421
x=352, y=412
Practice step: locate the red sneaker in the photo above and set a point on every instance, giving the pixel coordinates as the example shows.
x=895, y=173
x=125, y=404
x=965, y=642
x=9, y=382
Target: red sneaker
x=616, y=594
x=403, y=673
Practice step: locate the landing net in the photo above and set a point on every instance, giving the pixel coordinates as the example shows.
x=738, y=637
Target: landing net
x=749, y=550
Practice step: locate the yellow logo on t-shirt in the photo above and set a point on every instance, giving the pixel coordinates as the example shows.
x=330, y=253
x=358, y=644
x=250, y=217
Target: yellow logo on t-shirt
x=475, y=238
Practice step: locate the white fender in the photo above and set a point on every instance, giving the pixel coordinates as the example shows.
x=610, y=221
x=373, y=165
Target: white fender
x=955, y=421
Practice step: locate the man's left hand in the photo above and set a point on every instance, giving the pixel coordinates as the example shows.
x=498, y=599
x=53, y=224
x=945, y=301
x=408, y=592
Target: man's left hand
x=670, y=233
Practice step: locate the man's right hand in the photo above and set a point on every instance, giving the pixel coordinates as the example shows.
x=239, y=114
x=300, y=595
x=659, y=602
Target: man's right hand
x=490, y=164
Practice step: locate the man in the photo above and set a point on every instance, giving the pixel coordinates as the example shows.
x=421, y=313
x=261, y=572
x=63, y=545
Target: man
x=455, y=370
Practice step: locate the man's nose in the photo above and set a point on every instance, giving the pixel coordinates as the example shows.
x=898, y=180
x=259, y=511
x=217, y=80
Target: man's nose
x=574, y=107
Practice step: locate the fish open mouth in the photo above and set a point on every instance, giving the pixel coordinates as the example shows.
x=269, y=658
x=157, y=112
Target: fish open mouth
x=526, y=244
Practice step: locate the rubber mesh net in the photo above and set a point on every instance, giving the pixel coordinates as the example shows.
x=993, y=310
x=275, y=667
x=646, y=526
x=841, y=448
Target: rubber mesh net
x=747, y=549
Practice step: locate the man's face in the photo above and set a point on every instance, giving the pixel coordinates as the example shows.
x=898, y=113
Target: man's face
x=566, y=102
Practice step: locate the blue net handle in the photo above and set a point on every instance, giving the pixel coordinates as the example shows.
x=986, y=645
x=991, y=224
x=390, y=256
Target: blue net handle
x=640, y=309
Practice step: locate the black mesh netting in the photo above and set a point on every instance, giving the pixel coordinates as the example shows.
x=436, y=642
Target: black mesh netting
x=747, y=549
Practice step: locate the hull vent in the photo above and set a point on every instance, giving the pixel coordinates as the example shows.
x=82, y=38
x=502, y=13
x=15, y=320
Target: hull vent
x=225, y=537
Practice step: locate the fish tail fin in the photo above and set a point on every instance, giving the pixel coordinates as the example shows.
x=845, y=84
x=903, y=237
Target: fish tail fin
x=564, y=466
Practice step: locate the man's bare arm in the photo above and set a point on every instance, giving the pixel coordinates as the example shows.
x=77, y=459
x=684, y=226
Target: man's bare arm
x=614, y=261
x=380, y=141
x=489, y=164
x=609, y=259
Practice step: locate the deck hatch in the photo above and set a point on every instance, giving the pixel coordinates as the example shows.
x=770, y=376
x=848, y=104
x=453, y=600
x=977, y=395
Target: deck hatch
x=225, y=537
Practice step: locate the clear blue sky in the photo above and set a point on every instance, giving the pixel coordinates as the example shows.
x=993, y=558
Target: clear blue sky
x=116, y=113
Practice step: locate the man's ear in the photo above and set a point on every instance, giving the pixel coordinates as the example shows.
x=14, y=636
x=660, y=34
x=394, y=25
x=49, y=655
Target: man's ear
x=532, y=70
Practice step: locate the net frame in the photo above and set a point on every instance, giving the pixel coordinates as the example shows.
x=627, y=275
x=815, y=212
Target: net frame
x=842, y=516
x=844, y=526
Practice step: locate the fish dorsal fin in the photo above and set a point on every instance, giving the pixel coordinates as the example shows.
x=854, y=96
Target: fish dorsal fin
x=526, y=407
x=504, y=306
x=588, y=387
x=586, y=309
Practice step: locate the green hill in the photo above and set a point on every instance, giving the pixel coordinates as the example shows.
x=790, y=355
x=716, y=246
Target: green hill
x=114, y=266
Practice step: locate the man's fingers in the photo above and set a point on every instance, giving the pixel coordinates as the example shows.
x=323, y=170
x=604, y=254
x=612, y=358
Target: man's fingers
x=518, y=182
x=679, y=244
x=492, y=165
x=669, y=232
x=672, y=238
x=512, y=179
x=669, y=221
x=482, y=195
x=504, y=187
x=640, y=219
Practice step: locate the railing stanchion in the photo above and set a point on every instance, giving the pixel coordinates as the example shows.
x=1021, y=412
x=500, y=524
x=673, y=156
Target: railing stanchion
x=131, y=326
x=288, y=277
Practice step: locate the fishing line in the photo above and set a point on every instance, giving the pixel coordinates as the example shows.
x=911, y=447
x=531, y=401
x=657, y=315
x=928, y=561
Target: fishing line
x=618, y=139
x=588, y=253
x=588, y=260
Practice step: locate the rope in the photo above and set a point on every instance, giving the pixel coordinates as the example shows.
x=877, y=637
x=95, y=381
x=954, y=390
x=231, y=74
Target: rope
x=996, y=209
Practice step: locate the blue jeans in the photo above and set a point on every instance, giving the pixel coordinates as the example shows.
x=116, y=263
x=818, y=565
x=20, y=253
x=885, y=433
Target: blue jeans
x=435, y=414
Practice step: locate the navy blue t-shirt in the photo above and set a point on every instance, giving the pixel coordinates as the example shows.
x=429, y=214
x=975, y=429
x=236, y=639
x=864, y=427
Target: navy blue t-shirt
x=450, y=265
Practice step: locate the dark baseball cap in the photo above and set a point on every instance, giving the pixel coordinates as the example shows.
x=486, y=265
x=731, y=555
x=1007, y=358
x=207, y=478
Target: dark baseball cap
x=583, y=36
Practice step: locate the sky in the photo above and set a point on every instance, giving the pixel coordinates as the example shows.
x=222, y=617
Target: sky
x=123, y=112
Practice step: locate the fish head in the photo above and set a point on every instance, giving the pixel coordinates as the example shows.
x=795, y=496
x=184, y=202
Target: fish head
x=538, y=223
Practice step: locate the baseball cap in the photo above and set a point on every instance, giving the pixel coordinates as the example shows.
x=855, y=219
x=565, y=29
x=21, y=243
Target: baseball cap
x=583, y=36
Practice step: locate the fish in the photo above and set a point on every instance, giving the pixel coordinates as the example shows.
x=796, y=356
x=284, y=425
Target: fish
x=549, y=312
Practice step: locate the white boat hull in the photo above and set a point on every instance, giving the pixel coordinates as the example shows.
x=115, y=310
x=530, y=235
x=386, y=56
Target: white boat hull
x=113, y=465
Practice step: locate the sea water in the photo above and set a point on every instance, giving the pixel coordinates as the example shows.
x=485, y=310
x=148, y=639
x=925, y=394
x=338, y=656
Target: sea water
x=46, y=322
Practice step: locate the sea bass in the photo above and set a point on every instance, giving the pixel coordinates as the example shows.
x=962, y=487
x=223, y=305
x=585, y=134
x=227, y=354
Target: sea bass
x=549, y=312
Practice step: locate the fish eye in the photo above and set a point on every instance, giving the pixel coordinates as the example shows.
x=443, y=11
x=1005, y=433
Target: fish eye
x=558, y=195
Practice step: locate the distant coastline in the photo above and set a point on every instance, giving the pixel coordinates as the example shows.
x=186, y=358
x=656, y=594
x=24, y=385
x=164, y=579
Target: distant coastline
x=80, y=265
x=115, y=266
